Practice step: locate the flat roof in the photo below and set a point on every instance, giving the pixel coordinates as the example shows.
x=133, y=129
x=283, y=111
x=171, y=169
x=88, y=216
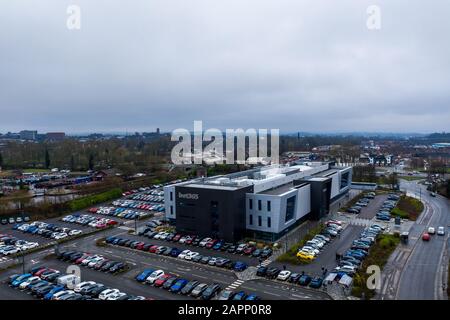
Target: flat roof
x=211, y=186
x=279, y=190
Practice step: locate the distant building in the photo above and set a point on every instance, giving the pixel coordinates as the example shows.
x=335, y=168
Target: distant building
x=28, y=134
x=55, y=136
x=441, y=145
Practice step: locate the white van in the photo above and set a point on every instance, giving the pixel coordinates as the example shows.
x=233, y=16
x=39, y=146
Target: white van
x=68, y=280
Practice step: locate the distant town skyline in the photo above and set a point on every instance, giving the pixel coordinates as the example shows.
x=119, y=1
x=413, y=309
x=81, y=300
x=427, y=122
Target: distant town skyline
x=293, y=65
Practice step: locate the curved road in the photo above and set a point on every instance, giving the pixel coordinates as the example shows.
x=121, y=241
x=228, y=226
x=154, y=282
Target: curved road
x=421, y=265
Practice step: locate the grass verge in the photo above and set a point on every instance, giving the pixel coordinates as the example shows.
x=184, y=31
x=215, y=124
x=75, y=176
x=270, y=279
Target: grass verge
x=291, y=255
x=378, y=255
x=408, y=208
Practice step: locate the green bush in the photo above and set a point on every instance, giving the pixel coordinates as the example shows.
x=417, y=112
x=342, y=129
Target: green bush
x=85, y=202
x=408, y=208
x=379, y=254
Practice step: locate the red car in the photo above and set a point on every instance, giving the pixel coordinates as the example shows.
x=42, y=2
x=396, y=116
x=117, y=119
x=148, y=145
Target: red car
x=426, y=237
x=140, y=245
x=153, y=249
x=249, y=250
x=93, y=210
x=211, y=243
x=43, y=269
x=79, y=260
x=111, y=222
x=189, y=240
x=40, y=272
x=176, y=238
x=160, y=281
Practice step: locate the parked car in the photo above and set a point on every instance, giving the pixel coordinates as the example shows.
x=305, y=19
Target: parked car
x=211, y=291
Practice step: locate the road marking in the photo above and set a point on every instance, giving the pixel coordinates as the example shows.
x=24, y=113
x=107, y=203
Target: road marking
x=235, y=284
x=271, y=293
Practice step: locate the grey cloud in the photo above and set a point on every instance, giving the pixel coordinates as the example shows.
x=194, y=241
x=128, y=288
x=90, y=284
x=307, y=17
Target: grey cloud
x=289, y=64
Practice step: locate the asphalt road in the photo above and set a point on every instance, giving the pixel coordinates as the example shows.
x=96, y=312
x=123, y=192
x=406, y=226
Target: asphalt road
x=422, y=277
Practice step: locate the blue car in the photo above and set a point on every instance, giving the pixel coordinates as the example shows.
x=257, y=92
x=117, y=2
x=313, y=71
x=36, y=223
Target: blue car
x=110, y=239
x=316, y=283
x=22, y=278
x=240, y=266
x=31, y=229
x=239, y=296
x=144, y=275
x=218, y=245
x=116, y=240
x=177, y=286
x=304, y=280
x=175, y=252
x=16, y=226
x=252, y=297
x=50, y=294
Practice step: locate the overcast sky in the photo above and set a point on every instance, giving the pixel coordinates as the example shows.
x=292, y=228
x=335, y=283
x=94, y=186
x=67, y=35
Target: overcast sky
x=296, y=65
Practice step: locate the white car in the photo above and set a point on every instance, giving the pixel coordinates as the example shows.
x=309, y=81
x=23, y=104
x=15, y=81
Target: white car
x=23, y=227
x=284, y=275
x=106, y=293
x=335, y=226
x=191, y=255
x=311, y=249
x=322, y=238
x=204, y=242
x=183, y=254
x=346, y=269
x=59, y=294
x=441, y=231
x=115, y=296
x=158, y=236
x=61, y=235
x=25, y=284
x=80, y=286
x=10, y=250
x=74, y=232
x=155, y=275
x=431, y=230
x=93, y=262
x=316, y=242
x=88, y=259
x=183, y=239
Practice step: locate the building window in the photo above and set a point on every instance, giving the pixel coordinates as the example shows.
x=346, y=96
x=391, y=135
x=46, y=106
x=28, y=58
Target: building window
x=269, y=222
x=259, y=205
x=250, y=204
x=171, y=210
x=251, y=220
x=259, y=221
x=345, y=179
x=171, y=196
x=268, y=205
x=290, y=208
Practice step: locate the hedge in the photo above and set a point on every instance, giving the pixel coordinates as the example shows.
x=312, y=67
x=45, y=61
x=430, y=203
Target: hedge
x=85, y=202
